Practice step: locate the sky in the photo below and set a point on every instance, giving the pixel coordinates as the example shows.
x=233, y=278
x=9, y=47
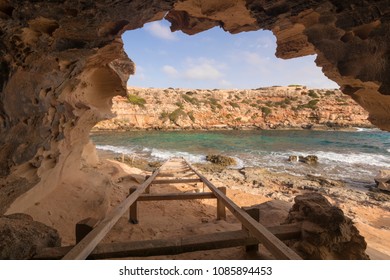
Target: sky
x=214, y=59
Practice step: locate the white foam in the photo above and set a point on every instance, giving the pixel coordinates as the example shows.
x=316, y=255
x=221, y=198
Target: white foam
x=115, y=149
x=362, y=129
x=353, y=158
x=165, y=155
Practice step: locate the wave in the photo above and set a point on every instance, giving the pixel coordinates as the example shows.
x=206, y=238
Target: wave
x=346, y=158
x=165, y=155
x=116, y=149
x=362, y=129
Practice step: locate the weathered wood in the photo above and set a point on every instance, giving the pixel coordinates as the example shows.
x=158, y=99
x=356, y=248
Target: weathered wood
x=255, y=214
x=147, y=190
x=89, y=242
x=177, y=181
x=172, y=246
x=221, y=210
x=176, y=196
x=270, y=241
x=84, y=227
x=133, y=215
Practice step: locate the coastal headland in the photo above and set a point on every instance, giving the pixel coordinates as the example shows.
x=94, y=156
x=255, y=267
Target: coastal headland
x=292, y=107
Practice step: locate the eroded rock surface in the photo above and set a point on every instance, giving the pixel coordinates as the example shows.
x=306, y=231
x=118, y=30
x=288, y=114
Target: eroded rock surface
x=21, y=237
x=327, y=233
x=62, y=61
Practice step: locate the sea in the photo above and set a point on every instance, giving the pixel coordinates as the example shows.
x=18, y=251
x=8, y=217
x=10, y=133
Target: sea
x=354, y=157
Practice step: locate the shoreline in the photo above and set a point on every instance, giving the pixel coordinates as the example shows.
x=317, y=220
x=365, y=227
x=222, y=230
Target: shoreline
x=242, y=128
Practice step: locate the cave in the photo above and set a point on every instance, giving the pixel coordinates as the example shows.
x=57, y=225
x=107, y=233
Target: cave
x=62, y=62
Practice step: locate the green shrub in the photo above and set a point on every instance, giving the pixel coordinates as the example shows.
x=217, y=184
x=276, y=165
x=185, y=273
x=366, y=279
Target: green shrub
x=136, y=100
x=294, y=85
x=192, y=100
x=313, y=94
x=164, y=115
x=191, y=116
x=179, y=104
x=175, y=115
x=266, y=110
x=234, y=105
x=329, y=92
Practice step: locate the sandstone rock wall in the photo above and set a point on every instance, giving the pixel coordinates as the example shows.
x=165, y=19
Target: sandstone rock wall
x=264, y=108
x=62, y=61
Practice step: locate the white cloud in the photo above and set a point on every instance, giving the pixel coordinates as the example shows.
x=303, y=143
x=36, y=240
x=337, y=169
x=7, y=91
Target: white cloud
x=203, y=71
x=170, y=71
x=255, y=59
x=160, y=31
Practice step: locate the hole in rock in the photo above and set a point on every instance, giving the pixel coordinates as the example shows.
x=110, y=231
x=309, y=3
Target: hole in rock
x=217, y=81
x=214, y=59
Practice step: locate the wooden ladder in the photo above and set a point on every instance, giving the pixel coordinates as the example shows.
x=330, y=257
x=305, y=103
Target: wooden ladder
x=181, y=172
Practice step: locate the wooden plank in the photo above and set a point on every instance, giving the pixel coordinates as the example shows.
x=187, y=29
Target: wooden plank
x=270, y=241
x=176, y=196
x=89, y=242
x=177, y=181
x=174, y=246
x=221, y=210
x=255, y=214
x=133, y=215
x=173, y=175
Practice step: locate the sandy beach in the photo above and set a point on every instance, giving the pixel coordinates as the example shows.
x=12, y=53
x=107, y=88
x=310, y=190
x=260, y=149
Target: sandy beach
x=64, y=207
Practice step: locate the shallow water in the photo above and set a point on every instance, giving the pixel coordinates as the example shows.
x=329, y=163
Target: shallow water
x=354, y=157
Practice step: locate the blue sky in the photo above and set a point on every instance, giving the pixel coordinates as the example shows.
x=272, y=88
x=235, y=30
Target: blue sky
x=214, y=59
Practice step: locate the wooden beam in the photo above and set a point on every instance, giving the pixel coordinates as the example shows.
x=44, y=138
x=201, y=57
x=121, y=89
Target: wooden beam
x=89, y=242
x=221, y=210
x=270, y=241
x=255, y=214
x=174, y=246
x=176, y=196
x=177, y=181
x=133, y=215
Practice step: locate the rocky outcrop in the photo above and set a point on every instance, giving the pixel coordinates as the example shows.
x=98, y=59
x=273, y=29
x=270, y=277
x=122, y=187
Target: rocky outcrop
x=62, y=61
x=221, y=160
x=382, y=180
x=327, y=234
x=22, y=238
x=294, y=107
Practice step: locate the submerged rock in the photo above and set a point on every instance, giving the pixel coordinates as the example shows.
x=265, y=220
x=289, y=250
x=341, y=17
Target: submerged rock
x=326, y=232
x=221, y=160
x=310, y=159
x=22, y=237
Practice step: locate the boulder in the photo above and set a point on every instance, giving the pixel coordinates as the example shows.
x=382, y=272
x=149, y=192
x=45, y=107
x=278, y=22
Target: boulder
x=382, y=180
x=221, y=160
x=293, y=158
x=310, y=159
x=326, y=232
x=22, y=237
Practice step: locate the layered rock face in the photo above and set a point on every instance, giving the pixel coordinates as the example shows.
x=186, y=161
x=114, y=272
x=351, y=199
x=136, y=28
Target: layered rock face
x=22, y=237
x=327, y=234
x=62, y=61
x=293, y=107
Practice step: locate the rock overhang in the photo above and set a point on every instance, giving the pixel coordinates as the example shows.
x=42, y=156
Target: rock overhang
x=62, y=62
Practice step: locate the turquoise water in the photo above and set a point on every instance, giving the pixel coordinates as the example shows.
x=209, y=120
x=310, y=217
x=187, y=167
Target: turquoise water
x=351, y=156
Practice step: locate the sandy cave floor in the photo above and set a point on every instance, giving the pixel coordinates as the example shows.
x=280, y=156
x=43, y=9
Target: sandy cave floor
x=63, y=208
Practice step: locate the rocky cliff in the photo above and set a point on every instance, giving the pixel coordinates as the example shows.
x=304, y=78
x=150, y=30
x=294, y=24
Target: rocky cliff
x=61, y=62
x=265, y=108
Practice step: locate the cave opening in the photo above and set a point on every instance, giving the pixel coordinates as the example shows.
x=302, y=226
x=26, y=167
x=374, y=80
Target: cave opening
x=214, y=59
